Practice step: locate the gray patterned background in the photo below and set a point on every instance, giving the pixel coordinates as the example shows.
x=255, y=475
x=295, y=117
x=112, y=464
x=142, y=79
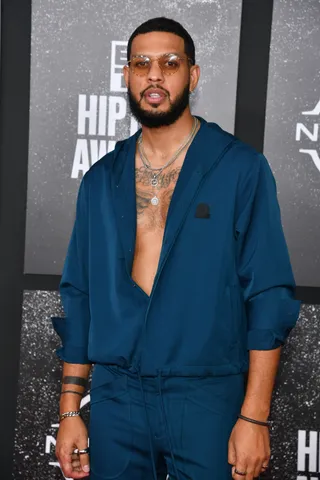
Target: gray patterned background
x=39, y=386
x=296, y=400
x=293, y=88
x=70, y=55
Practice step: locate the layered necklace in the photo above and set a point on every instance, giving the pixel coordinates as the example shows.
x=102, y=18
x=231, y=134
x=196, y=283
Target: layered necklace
x=155, y=172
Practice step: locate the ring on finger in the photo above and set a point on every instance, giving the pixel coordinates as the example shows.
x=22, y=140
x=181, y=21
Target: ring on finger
x=243, y=474
x=83, y=451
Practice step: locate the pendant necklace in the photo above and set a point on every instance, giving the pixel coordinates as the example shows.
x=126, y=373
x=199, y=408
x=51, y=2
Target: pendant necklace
x=156, y=171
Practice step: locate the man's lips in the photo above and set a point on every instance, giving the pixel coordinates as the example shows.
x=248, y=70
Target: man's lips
x=154, y=95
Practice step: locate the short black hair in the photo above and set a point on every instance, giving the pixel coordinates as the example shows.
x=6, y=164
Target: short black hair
x=163, y=24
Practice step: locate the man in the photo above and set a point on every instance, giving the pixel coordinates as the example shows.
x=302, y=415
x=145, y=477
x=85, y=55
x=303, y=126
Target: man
x=176, y=283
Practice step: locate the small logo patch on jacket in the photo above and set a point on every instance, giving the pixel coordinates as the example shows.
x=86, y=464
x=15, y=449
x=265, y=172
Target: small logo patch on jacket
x=202, y=211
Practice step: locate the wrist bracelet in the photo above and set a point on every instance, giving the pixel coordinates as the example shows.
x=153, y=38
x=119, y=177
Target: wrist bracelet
x=71, y=391
x=82, y=382
x=69, y=414
x=258, y=422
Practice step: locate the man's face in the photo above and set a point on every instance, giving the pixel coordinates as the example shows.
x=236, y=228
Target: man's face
x=157, y=99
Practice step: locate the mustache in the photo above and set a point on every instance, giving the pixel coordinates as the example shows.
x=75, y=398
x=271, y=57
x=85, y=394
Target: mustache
x=152, y=87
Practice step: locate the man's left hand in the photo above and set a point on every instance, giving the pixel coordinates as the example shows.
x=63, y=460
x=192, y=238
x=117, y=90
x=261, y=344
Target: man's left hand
x=249, y=450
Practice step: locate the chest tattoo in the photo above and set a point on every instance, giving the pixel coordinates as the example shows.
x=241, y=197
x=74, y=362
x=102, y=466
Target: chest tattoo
x=149, y=216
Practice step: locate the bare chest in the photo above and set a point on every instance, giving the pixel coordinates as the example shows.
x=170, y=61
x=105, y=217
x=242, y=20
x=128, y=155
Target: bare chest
x=151, y=221
x=153, y=200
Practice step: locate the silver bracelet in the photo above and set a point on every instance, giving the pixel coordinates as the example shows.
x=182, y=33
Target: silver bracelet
x=69, y=414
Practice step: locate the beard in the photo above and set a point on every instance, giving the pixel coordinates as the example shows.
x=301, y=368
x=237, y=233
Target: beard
x=154, y=119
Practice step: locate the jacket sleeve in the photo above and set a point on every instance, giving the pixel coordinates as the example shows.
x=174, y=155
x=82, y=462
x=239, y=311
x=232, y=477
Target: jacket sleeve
x=263, y=262
x=73, y=329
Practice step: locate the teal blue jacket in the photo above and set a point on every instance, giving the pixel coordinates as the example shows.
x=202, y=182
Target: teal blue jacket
x=224, y=283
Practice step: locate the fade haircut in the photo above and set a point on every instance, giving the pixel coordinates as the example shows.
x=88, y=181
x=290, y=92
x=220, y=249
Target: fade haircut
x=163, y=24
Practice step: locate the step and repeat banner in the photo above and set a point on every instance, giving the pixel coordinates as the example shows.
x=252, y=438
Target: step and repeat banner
x=79, y=109
x=292, y=130
x=295, y=408
x=79, y=106
x=39, y=391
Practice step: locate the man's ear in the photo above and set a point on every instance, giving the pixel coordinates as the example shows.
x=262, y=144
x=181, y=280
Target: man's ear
x=125, y=71
x=194, y=77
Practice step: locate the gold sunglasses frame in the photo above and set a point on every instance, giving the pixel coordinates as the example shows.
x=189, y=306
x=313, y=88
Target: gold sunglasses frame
x=152, y=59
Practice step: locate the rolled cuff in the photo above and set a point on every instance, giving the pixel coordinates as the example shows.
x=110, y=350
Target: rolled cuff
x=67, y=352
x=266, y=339
x=272, y=314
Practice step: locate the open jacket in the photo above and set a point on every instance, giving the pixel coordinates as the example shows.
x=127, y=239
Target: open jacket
x=224, y=283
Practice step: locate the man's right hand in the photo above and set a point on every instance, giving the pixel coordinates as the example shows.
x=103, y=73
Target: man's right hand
x=72, y=434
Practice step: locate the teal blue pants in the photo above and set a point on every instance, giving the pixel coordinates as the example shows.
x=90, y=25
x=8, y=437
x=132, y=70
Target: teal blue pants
x=143, y=428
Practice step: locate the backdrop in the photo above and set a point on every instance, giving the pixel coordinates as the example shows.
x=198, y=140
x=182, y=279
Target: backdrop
x=292, y=130
x=295, y=408
x=78, y=109
x=78, y=98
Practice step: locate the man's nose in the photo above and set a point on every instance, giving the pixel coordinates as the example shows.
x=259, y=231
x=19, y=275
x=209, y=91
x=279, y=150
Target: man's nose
x=155, y=73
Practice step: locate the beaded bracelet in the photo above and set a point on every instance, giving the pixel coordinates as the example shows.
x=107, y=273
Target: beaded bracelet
x=258, y=422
